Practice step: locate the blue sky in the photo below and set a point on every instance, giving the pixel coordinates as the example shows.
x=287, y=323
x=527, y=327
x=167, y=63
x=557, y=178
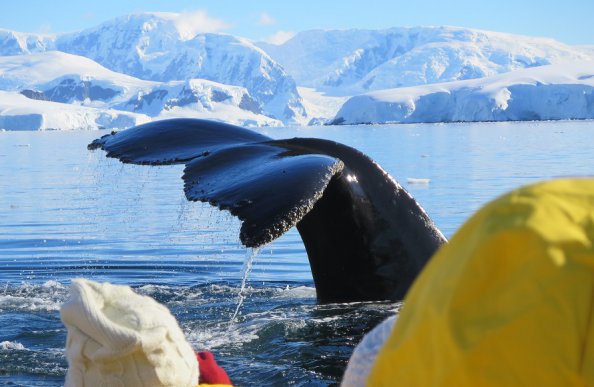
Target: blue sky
x=568, y=21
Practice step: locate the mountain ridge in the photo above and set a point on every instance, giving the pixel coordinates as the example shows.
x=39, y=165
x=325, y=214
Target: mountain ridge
x=153, y=65
x=356, y=61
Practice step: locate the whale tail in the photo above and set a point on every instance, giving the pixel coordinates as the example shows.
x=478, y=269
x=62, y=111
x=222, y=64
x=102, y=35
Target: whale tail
x=365, y=236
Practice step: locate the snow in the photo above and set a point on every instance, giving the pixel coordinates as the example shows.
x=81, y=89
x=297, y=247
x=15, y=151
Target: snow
x=349, y=62
x=79, y=81
x=561, y=91
x=165, y=47
x=16, y=43
x=149, y=66
x=150, y=46
x=24, y=71
x=229, y=114
x=589, y=49
x=18, y=112
x=319, y=105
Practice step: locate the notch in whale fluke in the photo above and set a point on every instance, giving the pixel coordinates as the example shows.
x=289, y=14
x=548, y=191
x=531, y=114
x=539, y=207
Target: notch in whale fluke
x=365, y=236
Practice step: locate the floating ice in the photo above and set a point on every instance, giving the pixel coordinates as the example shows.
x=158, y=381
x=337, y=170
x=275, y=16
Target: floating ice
x=417, y=181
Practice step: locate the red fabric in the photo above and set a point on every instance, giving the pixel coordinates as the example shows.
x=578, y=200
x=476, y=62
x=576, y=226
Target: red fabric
x=210, y=371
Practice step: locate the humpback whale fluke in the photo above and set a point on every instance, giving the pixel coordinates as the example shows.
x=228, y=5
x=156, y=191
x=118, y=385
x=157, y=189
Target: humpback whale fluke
x=365, y=236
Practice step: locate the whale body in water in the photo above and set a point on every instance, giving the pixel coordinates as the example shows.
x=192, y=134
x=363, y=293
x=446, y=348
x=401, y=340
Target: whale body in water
x=366, y=237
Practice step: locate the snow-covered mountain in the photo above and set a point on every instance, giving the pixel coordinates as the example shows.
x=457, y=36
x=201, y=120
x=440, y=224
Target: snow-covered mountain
x=552, y=92
x=70, y=79
x=17, y=43
x=151, y=46
x=44, y=70
x=351, y=62
x=199, y=98
x=147, y=66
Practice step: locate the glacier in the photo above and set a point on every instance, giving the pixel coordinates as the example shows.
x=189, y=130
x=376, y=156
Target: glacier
x=18, y=112
x=553, y=92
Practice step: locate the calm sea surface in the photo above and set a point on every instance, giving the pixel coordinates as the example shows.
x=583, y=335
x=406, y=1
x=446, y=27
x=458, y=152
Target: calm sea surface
x=66, y=212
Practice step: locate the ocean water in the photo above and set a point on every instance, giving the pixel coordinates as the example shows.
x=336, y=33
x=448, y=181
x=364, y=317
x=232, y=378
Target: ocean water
x=66, y=212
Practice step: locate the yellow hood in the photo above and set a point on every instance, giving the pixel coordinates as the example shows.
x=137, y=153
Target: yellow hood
x=509, y=301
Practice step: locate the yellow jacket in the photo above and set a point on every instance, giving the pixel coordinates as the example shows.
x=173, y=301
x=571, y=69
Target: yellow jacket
x=509, y=301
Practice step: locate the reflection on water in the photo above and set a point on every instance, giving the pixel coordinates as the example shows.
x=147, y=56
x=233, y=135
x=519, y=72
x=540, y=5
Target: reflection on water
x=66, y=212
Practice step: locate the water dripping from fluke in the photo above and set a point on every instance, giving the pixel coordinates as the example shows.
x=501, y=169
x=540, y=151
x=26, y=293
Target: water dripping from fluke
x=247, y=268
